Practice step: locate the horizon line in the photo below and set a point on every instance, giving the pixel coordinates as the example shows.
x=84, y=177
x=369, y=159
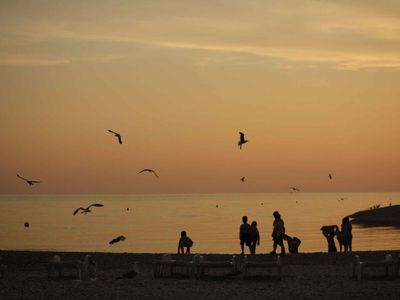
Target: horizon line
x=199, y=193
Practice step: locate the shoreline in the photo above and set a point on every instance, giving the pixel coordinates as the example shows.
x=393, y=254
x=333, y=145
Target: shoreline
x=315, y=275
x=76, y=252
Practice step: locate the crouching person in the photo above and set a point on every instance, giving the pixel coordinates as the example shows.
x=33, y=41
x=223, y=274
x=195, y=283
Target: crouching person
x=293, y=243
x=184, y=241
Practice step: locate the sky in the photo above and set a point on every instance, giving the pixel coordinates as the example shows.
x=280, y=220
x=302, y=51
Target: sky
x=314, y=85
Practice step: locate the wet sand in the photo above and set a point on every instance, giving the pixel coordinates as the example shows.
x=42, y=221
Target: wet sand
x=305, y=276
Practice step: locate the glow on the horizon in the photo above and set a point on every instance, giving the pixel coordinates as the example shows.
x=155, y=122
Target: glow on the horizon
x=313, y=84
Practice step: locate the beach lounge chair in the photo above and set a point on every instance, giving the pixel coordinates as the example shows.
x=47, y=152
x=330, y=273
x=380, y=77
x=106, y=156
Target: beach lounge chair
x=84, y=269
x=201, y=265
x=168, y=267
x=247, y=264
x=388, y=264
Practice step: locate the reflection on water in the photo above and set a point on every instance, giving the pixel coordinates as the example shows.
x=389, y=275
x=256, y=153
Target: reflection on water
x=153, y=222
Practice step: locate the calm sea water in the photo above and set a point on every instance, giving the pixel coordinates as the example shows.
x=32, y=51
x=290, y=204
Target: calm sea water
x=153, y=222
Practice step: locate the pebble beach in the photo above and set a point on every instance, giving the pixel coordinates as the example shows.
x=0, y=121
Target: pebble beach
x=305, y=276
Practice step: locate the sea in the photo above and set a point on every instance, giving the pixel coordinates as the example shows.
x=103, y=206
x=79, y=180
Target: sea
x=152, y=223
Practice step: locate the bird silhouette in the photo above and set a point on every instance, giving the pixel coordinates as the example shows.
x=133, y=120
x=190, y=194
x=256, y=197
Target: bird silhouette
x=330, y=176
x=149, y=170
x=242, y=179
x=87, y=209
x=117, y=239
x=117, y=135
x=295, y=189
x=30, y=182
x=242, y=140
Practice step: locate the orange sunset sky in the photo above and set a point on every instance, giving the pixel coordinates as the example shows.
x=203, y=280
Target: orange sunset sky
x=314, y=85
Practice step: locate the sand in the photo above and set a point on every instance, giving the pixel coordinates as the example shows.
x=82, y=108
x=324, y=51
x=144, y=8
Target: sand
x=305, y=276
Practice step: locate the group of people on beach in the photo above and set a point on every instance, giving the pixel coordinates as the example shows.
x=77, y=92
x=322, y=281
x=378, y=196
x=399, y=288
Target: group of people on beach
x=343, y=235
x=250, y=236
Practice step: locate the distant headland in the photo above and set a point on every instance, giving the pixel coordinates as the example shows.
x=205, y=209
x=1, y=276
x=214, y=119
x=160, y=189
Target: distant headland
x=378, y=216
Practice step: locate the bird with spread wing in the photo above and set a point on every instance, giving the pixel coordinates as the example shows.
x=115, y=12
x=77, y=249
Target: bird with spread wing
x=117, y=239
x=117, y=135
x=30, y=182
x=87, y=209
x=150, y=171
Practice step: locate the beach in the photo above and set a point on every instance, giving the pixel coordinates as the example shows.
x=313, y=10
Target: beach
x=305, y=276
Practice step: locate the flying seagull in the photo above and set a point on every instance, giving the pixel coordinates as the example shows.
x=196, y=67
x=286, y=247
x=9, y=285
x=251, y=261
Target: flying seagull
x=118, y=239
x=242, y=179
x=117, y=135
x=330, y=176
x=242, y=140
x=30, y=182
x=87, y=209
x=149, y=170
x=295, y=189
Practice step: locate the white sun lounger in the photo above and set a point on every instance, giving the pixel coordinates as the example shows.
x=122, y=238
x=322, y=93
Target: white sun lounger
x=397, y=267
x=202, y=265
x=388, y=264
x=167, y=267
x=247, y=264
x=83, y=269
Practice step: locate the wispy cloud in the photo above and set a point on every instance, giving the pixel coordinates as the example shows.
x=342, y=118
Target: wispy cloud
x=381, y=28
x=340, y=60
x=7, y=59
x=346, y=60
x=326, y=34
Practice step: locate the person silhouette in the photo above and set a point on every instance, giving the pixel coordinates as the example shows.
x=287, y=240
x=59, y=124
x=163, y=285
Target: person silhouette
x=244, y=233
x=277, y=233
x=346, y=234
x=293, y=243
x=254, y=237
x=184, y=241
x=329, y=233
